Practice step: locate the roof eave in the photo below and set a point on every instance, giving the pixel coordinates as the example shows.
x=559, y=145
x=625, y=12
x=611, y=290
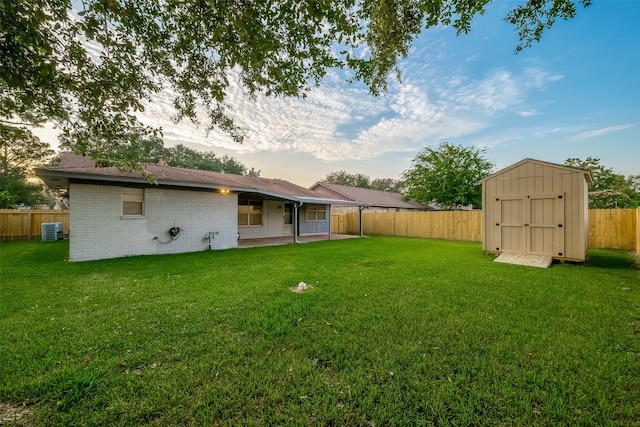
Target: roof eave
x=60, y=179
x=303, y=199
x=333, y=201
x=587, y=174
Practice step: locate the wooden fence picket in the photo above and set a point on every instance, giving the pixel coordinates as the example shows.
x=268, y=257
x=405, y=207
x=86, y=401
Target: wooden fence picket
x=608, y=228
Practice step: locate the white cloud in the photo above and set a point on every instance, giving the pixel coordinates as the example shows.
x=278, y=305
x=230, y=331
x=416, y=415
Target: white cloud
x=599, y=132
x=538, y=78
x=515, y=136
x=499, y=90
x=528, y=113
x=494, y=93
x=339, y=122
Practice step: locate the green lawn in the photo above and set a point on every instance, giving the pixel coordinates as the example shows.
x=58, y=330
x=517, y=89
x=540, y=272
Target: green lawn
x=394, y=331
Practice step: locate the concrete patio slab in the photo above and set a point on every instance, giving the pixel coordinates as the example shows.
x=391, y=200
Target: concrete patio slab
x=285, y=240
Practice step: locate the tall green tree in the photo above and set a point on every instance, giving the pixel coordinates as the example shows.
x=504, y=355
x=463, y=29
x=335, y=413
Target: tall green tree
x=185, y=157
x=151, y=150
x=363, y=181
x=386, y=184
x=348, y=179
x=20, y=152
x=90, y=70
x=607, y=188
x=448, y=175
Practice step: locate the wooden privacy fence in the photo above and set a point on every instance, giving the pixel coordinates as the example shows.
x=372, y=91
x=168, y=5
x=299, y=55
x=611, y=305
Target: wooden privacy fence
x=18, y=224
x=615, y=229
x=448, y=225
x=608, y=228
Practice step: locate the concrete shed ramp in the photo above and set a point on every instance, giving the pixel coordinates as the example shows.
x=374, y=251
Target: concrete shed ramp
x=541, y=261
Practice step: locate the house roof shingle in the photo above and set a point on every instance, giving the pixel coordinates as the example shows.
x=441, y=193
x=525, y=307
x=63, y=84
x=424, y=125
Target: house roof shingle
x=79, y=168
x=371, y=197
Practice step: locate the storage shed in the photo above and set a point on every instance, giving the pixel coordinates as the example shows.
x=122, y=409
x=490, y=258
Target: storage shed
x=536, y=208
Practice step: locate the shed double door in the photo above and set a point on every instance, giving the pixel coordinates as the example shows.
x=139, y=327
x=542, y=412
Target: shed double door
x=531, y=224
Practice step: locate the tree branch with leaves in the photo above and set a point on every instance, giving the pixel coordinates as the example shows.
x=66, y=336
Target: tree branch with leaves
x=91, y=70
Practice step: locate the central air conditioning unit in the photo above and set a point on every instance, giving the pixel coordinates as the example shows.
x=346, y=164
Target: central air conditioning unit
x=51, y=231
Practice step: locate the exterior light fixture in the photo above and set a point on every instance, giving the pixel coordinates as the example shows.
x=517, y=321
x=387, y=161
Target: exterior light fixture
x=224, y=191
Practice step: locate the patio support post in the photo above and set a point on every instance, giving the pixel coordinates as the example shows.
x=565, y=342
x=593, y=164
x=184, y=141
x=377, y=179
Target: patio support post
x=296, y=223
x=360, y=211
x=329, y=209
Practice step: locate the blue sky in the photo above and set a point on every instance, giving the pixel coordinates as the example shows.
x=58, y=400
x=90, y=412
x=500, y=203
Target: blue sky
x=574, y=94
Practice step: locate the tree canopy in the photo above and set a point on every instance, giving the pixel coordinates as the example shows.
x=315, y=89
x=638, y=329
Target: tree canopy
x=20, y=152
x=363, y=181
x=386, y=184
x=448, y=175
x=152, y=150
x=607, y=188
x=348, y=179
x=90, y=70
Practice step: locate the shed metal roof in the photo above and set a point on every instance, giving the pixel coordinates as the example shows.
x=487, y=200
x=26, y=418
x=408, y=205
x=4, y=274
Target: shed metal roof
x=587, y=174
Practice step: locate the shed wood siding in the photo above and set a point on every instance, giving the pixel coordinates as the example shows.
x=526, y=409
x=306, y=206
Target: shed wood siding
x=99, y=230
x=538, y=208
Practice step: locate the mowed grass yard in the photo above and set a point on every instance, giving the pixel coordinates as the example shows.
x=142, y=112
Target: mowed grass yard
x=393, y=331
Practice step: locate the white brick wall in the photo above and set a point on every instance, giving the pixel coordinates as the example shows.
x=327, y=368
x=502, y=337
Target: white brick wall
x=98, y=230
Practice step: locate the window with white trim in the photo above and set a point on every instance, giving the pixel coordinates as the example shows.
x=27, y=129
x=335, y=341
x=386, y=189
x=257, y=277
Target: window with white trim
x=249, y=212
x=316, y=212
x=132, y=201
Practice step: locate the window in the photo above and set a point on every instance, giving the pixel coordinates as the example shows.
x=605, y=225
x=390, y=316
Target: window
x=288, y=213
x=132, y=201
x=316, y=212
x=249, y=212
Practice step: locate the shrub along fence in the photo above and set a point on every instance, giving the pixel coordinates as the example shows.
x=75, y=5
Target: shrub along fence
x=608, y=228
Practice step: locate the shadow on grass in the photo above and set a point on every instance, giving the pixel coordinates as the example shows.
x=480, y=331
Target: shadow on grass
x=611, y=259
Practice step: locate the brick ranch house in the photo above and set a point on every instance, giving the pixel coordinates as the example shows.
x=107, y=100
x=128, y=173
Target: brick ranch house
x=115, y=213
